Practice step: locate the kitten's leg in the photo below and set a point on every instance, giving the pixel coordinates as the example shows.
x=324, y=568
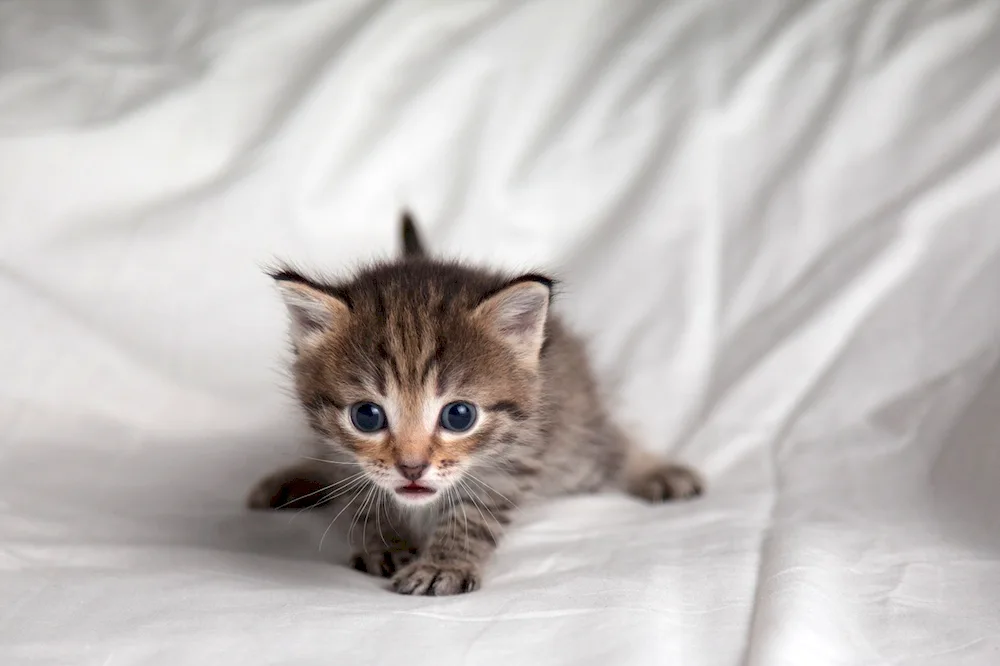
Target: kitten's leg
x=385, y=559
x=651, y=478
x=297, y=487
x=381, y=548
x=452, y=560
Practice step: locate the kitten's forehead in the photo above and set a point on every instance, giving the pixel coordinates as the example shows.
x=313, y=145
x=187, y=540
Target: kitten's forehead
x=412, y=322
x=420, y=287
x=413, y=354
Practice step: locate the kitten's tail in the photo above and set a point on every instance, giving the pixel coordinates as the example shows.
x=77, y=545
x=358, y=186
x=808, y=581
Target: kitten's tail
x=412, y=245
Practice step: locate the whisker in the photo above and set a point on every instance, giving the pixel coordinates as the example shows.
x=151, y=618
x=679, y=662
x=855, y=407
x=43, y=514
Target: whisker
x=486, y=523
x=302, y=497
x=493, y=490
x=365, y=516
x=329, y=498
x=358, y=516
x=341, y=512
x=378, y=520
x=450, y=496
x=465, y=517
x=373, y=505
x=331, y=462
x=483, y=504
x=357, y=483
x=315, y=492
x=333, y=487
x=493, y=466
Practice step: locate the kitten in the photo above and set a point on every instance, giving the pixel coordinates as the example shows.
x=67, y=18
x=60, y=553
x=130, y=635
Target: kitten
x=442, y=398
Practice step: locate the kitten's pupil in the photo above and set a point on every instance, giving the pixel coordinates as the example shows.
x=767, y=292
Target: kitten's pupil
x=458, y=416
x=367, y=417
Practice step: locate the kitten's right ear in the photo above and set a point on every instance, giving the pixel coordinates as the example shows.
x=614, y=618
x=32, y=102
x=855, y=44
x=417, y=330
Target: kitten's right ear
x=412, y=245
x=314, y=312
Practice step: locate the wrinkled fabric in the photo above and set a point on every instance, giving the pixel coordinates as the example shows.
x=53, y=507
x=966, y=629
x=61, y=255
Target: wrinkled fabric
x=777, y=224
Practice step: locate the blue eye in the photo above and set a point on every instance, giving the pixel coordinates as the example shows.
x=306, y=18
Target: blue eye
x=367, y=417
x=458, y=416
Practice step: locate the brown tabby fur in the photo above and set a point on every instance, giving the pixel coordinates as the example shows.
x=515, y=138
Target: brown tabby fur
x=413, y=335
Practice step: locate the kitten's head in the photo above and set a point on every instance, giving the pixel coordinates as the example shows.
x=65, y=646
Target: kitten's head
x=418, y=369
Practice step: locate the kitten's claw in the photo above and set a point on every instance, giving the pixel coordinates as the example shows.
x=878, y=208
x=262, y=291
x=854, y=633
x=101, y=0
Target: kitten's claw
x=668, y=482
x=385, y=563
x=436, y=579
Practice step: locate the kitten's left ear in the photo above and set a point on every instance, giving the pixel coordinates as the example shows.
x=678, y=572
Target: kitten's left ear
x=517, y=315
x=314, y=311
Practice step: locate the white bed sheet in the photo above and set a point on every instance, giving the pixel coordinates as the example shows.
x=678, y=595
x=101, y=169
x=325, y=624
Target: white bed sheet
x=778, y=223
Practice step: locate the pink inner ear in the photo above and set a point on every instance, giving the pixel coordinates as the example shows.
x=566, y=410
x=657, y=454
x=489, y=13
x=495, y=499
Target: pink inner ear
x=311, y=311
x=310, y=320
x=521, y=313
x=518, y=314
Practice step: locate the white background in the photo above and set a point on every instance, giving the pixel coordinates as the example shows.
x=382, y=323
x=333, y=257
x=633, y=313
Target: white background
x=777, y=223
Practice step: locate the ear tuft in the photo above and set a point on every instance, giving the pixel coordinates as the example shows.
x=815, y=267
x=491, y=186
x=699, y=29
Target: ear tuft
x=517, y=314
x=313, y=309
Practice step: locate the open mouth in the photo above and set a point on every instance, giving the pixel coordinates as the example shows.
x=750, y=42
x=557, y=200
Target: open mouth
x=415, y=490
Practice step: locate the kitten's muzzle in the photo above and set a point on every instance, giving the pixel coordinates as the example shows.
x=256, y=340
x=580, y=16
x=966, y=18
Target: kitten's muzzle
x=414, y=490
x=412, y=472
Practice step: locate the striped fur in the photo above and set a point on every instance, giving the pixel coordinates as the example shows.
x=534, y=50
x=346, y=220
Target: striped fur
x=412, y=336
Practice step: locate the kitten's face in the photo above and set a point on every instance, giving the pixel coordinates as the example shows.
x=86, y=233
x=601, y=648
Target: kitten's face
x=418, y=371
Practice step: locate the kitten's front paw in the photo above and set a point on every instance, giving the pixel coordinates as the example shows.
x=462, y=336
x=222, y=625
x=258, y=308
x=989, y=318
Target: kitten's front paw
x=385, y=563
x=668, y=482
x=436, y=579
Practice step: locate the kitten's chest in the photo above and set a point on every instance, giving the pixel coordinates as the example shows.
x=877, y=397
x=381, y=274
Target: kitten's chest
x=419, y=524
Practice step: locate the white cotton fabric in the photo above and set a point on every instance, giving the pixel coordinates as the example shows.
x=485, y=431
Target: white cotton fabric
x=776, y=222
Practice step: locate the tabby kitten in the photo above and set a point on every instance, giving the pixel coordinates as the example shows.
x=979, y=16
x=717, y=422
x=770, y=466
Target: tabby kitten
x=442, y=398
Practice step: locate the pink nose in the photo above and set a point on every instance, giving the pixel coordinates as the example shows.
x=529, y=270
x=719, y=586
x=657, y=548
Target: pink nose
x=412, y=472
